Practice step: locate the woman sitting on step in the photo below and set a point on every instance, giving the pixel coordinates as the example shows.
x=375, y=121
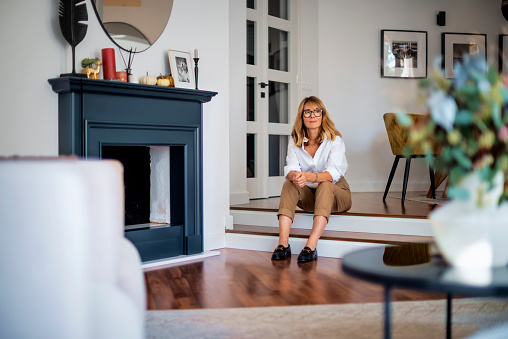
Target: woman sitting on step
x=315, y=168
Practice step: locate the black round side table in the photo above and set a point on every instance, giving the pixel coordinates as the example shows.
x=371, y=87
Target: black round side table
x=414, y=266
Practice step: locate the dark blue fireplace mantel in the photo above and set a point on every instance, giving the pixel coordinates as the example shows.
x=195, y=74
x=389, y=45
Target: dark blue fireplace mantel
x=97, y=113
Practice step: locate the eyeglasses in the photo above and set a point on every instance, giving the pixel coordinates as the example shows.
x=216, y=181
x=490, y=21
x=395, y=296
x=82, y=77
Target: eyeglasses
x=308, y=114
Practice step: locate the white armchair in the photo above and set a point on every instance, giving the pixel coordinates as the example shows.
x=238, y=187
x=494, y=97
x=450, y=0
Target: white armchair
x=66, y=269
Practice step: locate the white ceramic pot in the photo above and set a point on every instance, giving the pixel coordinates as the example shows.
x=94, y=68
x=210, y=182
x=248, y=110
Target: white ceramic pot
x=471, y=238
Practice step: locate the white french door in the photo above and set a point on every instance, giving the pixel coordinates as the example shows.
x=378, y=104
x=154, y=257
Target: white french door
x=272, y=88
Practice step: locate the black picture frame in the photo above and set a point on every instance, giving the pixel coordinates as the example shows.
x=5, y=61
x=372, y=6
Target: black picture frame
x=404, y=54
x=455, y=45
x=503, y=54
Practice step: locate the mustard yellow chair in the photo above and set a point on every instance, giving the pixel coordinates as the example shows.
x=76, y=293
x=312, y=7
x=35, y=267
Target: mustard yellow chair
x=398, y=138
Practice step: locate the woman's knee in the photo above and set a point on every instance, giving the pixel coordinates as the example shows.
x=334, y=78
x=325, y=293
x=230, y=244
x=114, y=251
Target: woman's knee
x=288, y=186
x=325, y=188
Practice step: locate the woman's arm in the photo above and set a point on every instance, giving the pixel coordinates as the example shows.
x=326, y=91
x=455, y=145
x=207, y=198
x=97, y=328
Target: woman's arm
x=336, y=164
x=318, y=177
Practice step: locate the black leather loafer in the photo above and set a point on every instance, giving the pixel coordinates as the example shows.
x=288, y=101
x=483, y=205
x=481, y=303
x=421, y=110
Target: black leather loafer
x=281, y=253
x=307, y=255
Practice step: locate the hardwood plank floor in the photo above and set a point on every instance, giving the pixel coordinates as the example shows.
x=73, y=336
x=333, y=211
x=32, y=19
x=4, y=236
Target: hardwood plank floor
x=364, y=204
x=241, y=278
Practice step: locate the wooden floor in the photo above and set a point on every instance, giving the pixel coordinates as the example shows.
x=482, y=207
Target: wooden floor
x=241, y=278
x=364, y=204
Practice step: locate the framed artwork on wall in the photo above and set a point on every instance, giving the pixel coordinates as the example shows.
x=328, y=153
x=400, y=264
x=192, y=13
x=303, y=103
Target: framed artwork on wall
x=455, y=45
x=503, y=53
x=403, y=54
x=181, y=69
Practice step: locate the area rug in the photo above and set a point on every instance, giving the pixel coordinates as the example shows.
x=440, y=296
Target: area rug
x=420, y=197
x=411, y=319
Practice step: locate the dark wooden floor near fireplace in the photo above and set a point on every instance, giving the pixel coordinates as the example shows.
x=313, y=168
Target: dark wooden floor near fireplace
x=242, y=278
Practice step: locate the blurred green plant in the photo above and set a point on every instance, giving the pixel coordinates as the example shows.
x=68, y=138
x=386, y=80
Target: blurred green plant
x=86, y=62
x=467, y=131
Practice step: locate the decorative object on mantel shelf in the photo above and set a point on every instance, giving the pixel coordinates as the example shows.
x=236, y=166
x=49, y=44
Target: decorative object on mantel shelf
x=196, y=59
x=72, y=17
x=165, y=80
x=109, y=64
x=89, y=69
x=468, y=126
x=129, y=62
x=181, y=69
x=148, y=80
x=122, y=76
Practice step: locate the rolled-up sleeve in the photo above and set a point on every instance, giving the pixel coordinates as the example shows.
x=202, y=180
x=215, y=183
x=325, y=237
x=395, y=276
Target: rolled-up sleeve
x=292, y=163
x=336, y=163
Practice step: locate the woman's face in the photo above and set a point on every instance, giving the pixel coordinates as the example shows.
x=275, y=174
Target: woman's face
x=312, y=121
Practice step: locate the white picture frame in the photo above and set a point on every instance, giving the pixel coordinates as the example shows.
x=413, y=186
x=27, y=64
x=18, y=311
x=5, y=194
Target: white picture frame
x=403, y=54
x=455, y=45
x=181, y=69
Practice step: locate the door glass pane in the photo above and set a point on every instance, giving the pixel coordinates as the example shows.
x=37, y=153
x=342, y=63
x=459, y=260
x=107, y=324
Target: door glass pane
x=251, y=95
x=251, y=165
x=278, y=103
x=277, y=154
x=250, y=42
x=251, y=4
x=277, y=49
x=278, y=8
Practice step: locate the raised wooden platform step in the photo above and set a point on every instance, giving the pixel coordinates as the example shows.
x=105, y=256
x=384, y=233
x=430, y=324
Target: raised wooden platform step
x=365, y=204
x=376, y=238
x=370, y=222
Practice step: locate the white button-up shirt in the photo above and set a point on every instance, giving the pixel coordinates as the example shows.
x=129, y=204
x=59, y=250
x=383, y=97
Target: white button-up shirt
x=330, y=157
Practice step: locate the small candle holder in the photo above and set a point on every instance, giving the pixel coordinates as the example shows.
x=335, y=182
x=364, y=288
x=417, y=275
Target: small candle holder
x=196, y=71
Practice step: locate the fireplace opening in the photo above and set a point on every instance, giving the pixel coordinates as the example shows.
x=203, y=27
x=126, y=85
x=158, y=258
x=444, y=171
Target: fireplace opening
x=146, y=182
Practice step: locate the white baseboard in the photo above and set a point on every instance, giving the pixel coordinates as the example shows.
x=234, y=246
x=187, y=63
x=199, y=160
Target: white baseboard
x=346, y=223
x=158, y=264
x=213, y=242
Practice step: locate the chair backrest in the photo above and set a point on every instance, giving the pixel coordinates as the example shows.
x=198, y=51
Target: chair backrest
x=398, y=135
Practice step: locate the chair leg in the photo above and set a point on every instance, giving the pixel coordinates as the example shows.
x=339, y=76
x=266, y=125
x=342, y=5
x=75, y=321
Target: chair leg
x=392, y=173
x=432, y=183
x=406, y=176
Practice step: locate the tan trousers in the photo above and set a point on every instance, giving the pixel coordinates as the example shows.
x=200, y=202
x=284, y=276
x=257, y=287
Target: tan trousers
x=323, y=200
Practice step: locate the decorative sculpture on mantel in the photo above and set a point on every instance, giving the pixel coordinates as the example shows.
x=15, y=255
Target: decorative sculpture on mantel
x=73, y=18
x=92, y=72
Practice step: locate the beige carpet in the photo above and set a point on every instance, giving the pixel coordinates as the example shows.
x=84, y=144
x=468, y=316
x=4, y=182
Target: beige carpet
x=411, y=319
x=420, y=197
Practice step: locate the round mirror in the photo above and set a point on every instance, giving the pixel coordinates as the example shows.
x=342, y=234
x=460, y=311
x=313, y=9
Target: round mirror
x=133, y=24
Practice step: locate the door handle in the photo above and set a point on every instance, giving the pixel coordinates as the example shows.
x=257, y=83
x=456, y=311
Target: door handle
x=263, y=84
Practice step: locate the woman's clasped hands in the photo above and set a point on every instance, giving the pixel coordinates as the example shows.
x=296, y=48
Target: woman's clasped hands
x=299, y=179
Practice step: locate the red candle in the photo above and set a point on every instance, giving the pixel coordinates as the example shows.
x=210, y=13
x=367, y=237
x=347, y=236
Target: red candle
x=108, y=63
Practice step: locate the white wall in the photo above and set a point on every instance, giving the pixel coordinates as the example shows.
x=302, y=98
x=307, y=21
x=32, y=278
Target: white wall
x=340, y=54
x=35, y=51
x=349, y=73
x=238, y=102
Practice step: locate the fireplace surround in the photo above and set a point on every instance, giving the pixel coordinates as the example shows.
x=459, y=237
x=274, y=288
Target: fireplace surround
x=94, y=114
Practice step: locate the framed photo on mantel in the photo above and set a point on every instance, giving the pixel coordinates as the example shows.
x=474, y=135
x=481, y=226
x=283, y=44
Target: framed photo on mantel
x=455, y=45
x=181, y=69
x=403, y=54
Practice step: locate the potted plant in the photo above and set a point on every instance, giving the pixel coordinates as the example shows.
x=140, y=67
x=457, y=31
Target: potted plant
x=468, y=130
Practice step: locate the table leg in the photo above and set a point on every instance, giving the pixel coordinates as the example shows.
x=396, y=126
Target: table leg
x=387, y=311
x=449, y=316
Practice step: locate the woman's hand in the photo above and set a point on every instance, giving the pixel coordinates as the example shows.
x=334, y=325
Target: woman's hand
x=298, y=179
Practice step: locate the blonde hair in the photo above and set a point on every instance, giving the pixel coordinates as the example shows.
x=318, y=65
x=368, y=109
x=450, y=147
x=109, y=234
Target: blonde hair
x=327, y=128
